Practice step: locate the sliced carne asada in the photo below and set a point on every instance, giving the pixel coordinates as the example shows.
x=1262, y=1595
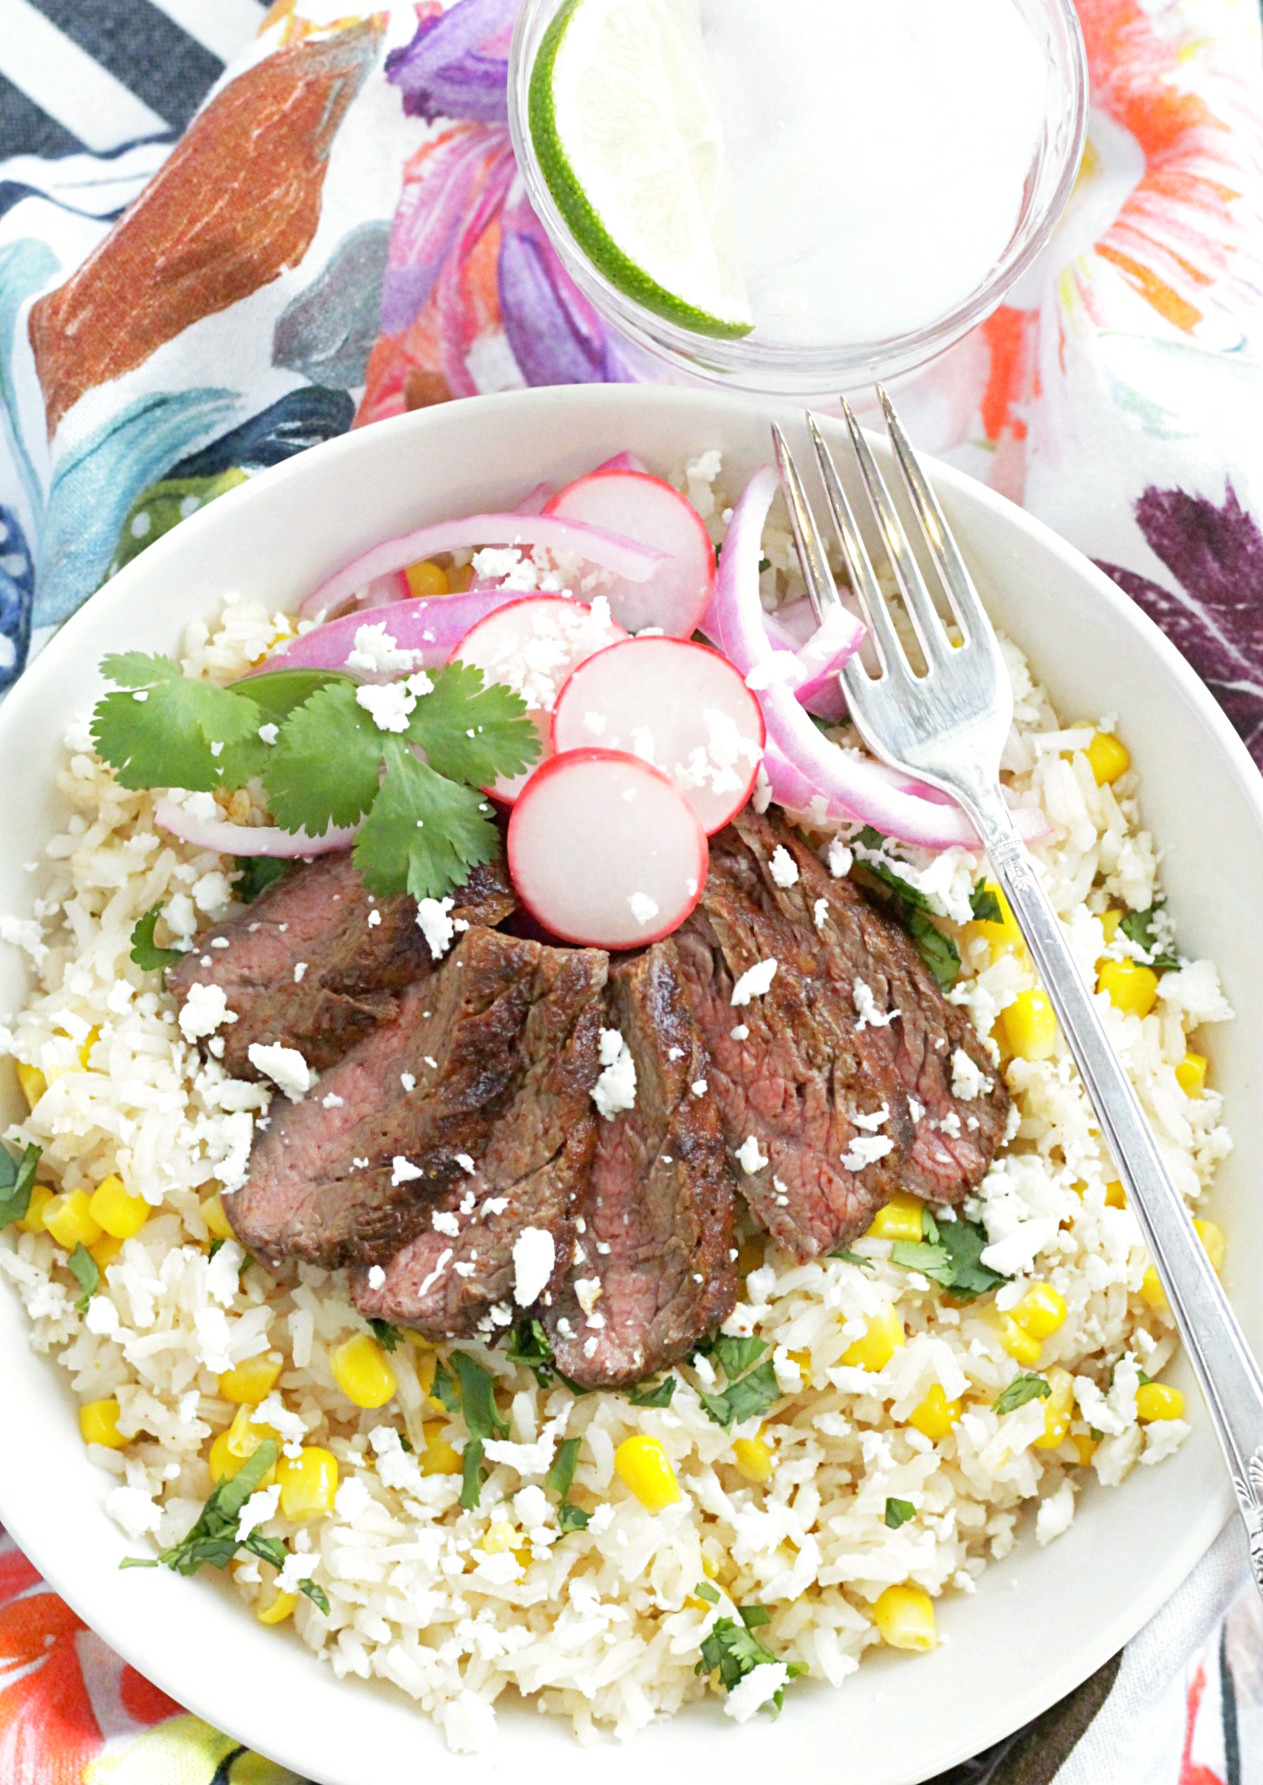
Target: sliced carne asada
x=349, y=1175
x=654, y=1254
x=315, y=962
x=842, y=1070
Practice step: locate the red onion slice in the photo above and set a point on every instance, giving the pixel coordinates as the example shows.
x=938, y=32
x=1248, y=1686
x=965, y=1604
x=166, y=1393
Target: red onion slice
x=431, y=626
x=226, y=838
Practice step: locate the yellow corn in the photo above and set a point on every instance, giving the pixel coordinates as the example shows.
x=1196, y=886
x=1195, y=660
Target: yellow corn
x=1108, y=757
x=85, y=1052
x=1151, y=1290
x=278, y=1608
x=217, y=1223
x=1085, y=1447
x=33, y=1220
x=220, y=1460
x=645, y=1468
x=498, y=1539
x=1041, y=1310
x=1215, y=1241
x=439, y=1457
x=904, y=1617
x=882, y=1337
x=105, y=1250
x=33, y=1083
x=1115, y=1196
x=803, y=1360
x=69, y=1220
x=427, y=578
x=248, y=1383
x=1129, y=986
x=899, y=1220
x=461, y=578
x=935, y=1416
x=427, y=1364
x=309, y=1482
x=1155, y=1401
x=753, y=1459
x=1030, y=1028
x=114, y=1208
x=1058, y=1410
x=1191, y=1074
x=1022, y=1347
x=1110, y=921
x=362, y=1371
x=245, y=1435
x=1003, y=935
x=98, y=1422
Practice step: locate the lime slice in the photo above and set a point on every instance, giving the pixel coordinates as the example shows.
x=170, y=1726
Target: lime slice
x=628, y=143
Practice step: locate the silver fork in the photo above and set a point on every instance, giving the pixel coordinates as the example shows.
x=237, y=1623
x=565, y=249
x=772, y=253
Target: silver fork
x=947, y=726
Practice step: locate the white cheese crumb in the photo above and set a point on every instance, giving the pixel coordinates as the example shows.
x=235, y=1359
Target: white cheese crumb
x=436, y=925
x=408, y=1080
x=643, y=908
x=444, y=1222
x=403, y=1171
x=820, y=915
x=675, y=1053
x=391, y=704
x=594, y=724
x=534, y=1258
x=300, y=972
x=377, y=654
x=376, y=1277
x=840, y=860
x=871, y=1017
x=968, y=1079
x=268, y=733
x=588, y=1291
x=755, y=982
x=258, y=1509
x=750, y=1156
x=740, y=1033
x=866, y=1149
x=285, y=1066
x=698, y=1087
x=1055, y=1514
x=374, y=918
x=615, y=1089
x=758, y=1688
x=466, y=1163
x=783, y=868
x=331, y=1100
x=204, y=1010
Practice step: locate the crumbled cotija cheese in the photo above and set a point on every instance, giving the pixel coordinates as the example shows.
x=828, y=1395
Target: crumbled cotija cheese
x=755, y=982
x=615, y=1089
x=784, y=869
x=534, y=1256
x=285, y=1066
x=204, y=1010
x=377, y=654
x=436, y=924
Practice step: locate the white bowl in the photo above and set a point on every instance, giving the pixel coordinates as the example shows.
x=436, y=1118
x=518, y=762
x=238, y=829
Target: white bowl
x=1042, y=1620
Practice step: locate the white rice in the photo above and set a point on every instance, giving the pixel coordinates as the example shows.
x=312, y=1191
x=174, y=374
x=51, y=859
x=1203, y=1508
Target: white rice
x=601, y=1626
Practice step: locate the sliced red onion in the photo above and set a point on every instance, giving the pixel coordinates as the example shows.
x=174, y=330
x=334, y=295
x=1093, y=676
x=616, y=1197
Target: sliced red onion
x=432, y=626
x=383, y=589
x=623, y=461
x=535, y=501
x=623, y=557
x=793, y=631
x=246, y=839
x=850, y=783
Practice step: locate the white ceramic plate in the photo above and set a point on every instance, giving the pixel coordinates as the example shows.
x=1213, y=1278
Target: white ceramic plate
x=1042, y=1620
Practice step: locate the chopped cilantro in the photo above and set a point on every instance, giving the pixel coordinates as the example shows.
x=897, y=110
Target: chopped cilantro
x=530, y=1347
x=572, y=1518
x=898, y=1512
x=86, y=1273
x=704, y=1590
x=984, y=904
x=733, y=1649
x=213, y=1538
x=735, y=1355
x=387, y=1336
x=255, y=873
x=849, y=1257
x=477, y=1398
x=755, y=1616
x=319, y=1598
x=569, y=1516
x=471, y=1474
x=952, y=1258
x=1137, y=926
x=1024, y=1388
x=653, y=1394
x=17, y=1180
x=214, y=1246
x=751, y=1395
x=444, y=1387
x=937, y=950
x=144, y=951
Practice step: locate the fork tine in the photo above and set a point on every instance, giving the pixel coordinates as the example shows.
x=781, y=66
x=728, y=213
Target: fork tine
x=863, y=577
x=821, y=589
x=970, y=612
x=917, y=598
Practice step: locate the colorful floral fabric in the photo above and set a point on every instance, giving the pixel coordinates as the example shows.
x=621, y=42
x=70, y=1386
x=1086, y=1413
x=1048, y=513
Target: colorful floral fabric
x=341, y=235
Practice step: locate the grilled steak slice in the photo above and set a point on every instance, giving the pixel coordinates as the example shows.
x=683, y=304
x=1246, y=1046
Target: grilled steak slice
x=348, y=1175
x=655, y=1242
x=355, y=954
x=447, y=1281
x=852, y=1046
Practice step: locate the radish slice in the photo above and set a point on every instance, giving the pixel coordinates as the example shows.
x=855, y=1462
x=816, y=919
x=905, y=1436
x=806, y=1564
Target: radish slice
x=633, y=504
x=247, y=839
x=624, y=558
x=604, y=851
x=678, y=705
x=532, y=645
x=431, y=626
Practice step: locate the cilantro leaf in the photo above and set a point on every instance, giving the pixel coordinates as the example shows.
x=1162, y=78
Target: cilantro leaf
x=387, y=1336
x=953, y=1259
x=213, y=1539
x=734, y=1650
x=319, y=1598
x=472, y=730
x=324, y=768
x=741, y=1400
x=424, y=834
x=754, y=1616
x=145, y=951
x=471, y=1474
x=477, y=1398
x=871, y=843
x=737, y=1355
x=257, y=872
x=161, y=728
x=572, y=1518
x=530, y=1346
x=918, y=1255
x=704, y=1590
x=17, y=1180
x=1024, y=1388
x=984, y=904
x=444, y=1388
x=86, y=1273
x=561, y=1475
x=849, y=1257
x=653, y=1394
x=1137, y=926
x=937, y=950
x=898, y=1512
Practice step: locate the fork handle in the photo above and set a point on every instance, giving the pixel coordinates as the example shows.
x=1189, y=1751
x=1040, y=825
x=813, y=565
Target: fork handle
x=1228, y=1375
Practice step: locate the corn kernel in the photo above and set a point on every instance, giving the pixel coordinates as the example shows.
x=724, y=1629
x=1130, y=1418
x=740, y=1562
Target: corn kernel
x=1151, y=1290
x=461, y=578
x=69, y=1220
x=899, y=1220
x=1041, y=1310
x=33, y=1220
x=1115, y=1196
x=362, y=1371
x=1155, y=1401
x=439, y=1457
x=882, y=1338
x=217, y=1223
x=1190, y=1074
x=750, y=1254
x=98, y=1422
x=1110, y=921
x=427, y=578
x=1085, y=1447
x=33, y=1083
x=249, y=1383
x=277, y=1609
x=1030, y=1027
x=1215, y=1241
x=1058, y=1410
x=904, y=1617
x=498, y=1539
x=105, y=1250
x=753, y=1460
x=1129, y=987
x=1108, y=758
x=245, y=1434
x=114, y=1208
x=90, y=1041
x=643, y=1465
x=308, y=1482
x=803, y=1360
x=935, y=1416
x=1022, y=1347
x=1003, y=935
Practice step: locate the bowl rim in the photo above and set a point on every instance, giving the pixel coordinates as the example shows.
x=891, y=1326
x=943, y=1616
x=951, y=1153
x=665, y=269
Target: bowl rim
x=61, y=658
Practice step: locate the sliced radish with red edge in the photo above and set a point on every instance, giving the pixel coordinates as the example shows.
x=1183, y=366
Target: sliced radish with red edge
x=637, y=506
x=604, y=851
x=681, y=706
